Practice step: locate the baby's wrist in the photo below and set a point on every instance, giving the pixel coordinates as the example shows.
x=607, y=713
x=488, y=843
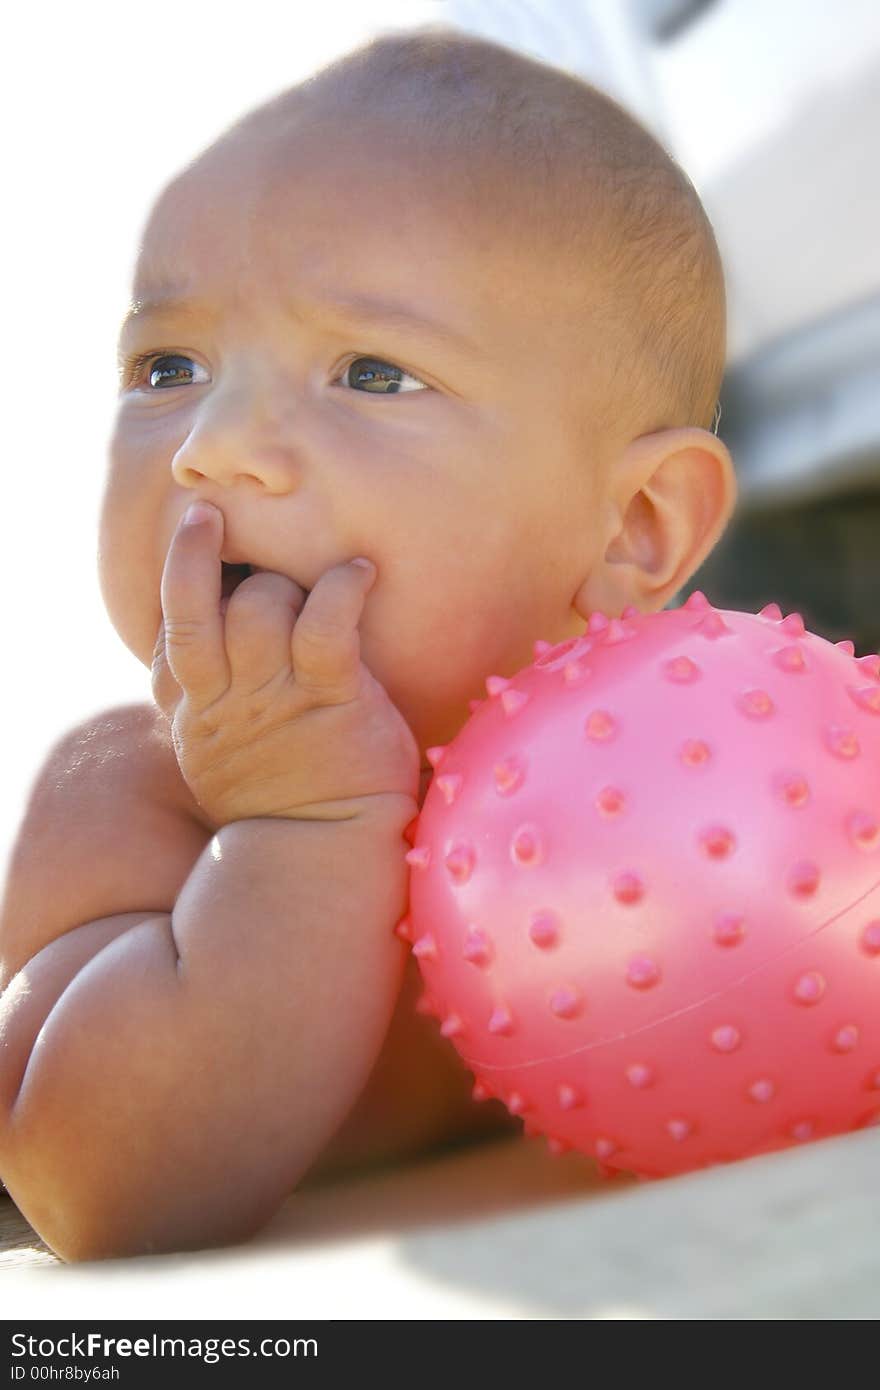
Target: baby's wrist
x=382, y=808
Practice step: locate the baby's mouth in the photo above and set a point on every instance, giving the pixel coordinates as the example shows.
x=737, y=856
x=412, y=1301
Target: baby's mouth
x=232, y=576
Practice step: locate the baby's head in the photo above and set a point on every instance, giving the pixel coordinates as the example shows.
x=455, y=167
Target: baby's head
x=500, y=245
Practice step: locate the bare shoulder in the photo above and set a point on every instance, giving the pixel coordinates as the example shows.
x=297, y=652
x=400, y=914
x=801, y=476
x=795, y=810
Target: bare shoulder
x=160, y=763
x=124, y=741
x=109, y=827
x=128, y=748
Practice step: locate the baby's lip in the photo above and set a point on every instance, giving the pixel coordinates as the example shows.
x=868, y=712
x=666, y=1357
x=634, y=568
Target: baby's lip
x=230, y=558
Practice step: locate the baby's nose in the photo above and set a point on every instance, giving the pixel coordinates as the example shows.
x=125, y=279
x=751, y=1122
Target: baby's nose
x=241, y=436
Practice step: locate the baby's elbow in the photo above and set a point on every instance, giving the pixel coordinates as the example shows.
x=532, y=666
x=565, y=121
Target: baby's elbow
x=61, y=1223
x=82, y=1227
x=55, y=1189
x=86, y=1206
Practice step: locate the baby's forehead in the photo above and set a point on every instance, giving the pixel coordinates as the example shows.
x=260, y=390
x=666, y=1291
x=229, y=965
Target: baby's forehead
x=373, y=198
x=279, y=162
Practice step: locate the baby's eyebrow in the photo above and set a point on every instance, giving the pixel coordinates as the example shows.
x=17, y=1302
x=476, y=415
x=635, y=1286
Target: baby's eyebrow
x=165, y=299
x=355, y=308
x=373, y=312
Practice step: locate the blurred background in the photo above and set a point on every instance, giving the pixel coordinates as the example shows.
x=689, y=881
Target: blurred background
x=771, y=106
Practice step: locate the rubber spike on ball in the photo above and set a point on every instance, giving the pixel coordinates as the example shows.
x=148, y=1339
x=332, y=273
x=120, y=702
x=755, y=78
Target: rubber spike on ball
x=649, y=897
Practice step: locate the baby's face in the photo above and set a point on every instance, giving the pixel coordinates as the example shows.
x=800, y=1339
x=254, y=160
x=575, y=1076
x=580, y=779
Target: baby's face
x=297, y=390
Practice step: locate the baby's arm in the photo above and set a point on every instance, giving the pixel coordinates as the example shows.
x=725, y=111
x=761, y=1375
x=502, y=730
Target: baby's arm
x=170, y=1069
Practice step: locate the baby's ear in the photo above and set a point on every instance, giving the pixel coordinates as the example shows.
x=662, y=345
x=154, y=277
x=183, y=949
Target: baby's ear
x=672, y=495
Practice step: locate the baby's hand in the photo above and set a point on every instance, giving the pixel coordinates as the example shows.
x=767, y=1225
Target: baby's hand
x=272, y=711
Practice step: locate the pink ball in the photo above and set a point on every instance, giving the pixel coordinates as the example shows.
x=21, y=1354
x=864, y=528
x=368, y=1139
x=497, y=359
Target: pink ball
x=645, y=889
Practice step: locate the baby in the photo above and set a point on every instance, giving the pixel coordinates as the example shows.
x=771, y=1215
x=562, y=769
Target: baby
x=204, y=1000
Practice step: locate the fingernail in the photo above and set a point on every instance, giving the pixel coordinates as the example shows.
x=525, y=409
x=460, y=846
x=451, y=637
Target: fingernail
x=364, y=564
x=197, y=512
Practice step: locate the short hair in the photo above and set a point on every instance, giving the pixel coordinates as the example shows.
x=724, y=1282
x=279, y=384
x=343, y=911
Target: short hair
x=553, y=147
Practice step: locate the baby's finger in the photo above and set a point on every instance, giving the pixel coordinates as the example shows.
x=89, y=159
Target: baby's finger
x=326, y=643
x=260, y=616
x=166, y=692
x=191, y=588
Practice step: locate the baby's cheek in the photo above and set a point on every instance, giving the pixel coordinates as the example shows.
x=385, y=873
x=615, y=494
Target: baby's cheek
x=129, y=584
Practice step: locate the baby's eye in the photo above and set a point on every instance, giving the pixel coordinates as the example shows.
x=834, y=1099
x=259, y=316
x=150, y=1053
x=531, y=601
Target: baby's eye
x=162, y=369
x=378, y=377
x=372, y=374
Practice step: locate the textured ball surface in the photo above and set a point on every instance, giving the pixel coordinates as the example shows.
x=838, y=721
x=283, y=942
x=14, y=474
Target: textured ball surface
x=645, y=889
